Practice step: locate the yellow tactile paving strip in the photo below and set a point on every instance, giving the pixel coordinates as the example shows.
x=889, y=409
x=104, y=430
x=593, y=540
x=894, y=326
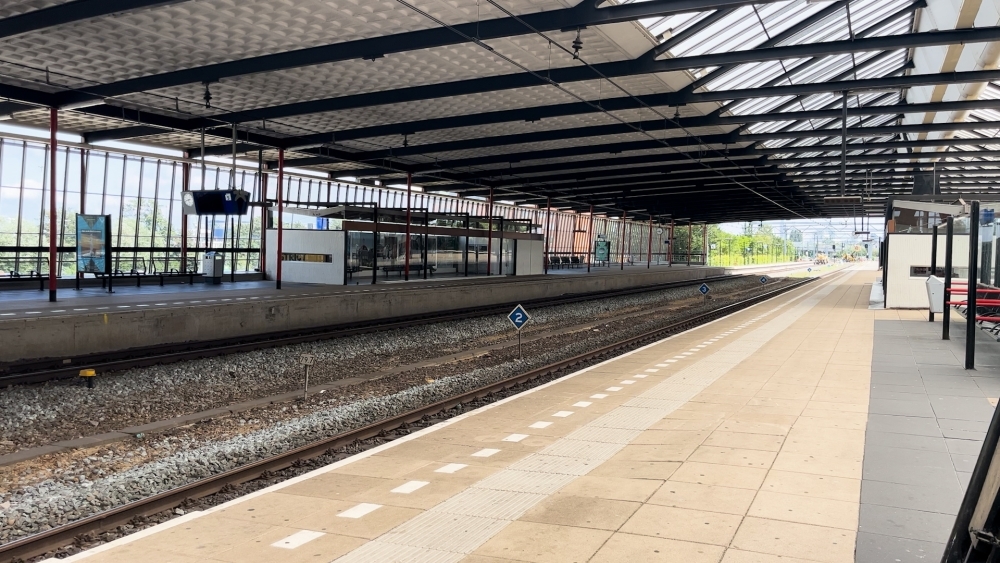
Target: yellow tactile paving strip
x=764, y=461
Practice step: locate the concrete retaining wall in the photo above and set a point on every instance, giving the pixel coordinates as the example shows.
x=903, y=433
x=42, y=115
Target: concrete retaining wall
x=69, y=336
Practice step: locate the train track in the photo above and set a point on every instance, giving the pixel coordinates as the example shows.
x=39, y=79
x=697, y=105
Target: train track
x=56, y=538
x=63, y=368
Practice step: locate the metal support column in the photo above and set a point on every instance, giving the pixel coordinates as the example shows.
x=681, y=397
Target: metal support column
x=53, y=257
x=934, y=241
x=590, y=239
x=185, y=186
x=649, y=252
x=375, y=244
x=948, y=245
x=690, y=246
x=548, y=217
x=489, y=237
x=621, y=238
x=406, y=259
x=281, y=185
x=970, y=310
x=670, y=245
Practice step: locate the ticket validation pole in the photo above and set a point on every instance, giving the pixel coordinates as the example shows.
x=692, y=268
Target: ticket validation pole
x=519, y=317
x=306, y=360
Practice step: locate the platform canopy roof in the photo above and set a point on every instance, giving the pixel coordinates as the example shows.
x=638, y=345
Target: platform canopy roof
x=706, y=110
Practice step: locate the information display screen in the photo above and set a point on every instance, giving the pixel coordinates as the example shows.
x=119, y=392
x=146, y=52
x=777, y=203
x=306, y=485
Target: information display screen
x=215, y=202
x=93, y=244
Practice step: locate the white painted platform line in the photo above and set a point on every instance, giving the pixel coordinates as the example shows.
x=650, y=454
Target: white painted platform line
x=640, y=376
x=614, y=388
x=451, y=468
x=359, y=510
x=409, y=487
x=460, y=525
x=515, y=438
x=626, y=382
x=679, y=357
x=540, y=424
x=562, y=414
x=298, y=539
x=694, y=350
x=599, y=396
x=670, y=361
x=662, y=365
x=652, y=370
x=485, y=452
x=582, y=404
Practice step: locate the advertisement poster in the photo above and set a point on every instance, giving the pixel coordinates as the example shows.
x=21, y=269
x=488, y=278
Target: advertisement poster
x=93, y=243
x=602, y=251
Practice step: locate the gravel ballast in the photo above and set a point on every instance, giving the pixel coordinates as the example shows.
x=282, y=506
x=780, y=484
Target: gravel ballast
x=49, y=492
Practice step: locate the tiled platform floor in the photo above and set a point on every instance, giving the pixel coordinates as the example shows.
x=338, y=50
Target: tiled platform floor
x=927, y=419
x=742, y=441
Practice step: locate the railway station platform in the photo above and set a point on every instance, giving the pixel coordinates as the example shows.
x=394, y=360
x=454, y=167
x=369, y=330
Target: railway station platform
x=767, y=436
x=91, y=321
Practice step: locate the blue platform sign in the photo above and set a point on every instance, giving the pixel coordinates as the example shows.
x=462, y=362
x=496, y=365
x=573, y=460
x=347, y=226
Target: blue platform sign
x=763, y=279
x=704, y=289
x=518, y=317
x=809, y=270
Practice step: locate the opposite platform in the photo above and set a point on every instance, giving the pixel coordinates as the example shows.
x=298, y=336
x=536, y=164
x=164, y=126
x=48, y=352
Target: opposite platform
x=105, y=323
x=740, y=441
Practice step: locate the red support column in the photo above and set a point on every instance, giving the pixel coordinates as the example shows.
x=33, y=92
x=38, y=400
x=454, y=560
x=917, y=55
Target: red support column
x=281, y=183
x=406, y=260
x=263, y=225
x=649, y=253
x=630, y=236
x=548, y=217
x=670, y=246
x=621, y=252
x=489, y=237
x=690, y=245
x=53, y=255
x=590, y=237
x=185, y=186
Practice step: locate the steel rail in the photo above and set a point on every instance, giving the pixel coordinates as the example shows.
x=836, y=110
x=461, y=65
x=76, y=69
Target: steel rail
x=55, y=538
x=44, y=370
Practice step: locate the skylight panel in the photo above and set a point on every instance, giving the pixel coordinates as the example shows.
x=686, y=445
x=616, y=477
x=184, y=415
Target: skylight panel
x=666, y=27
x=739, y=30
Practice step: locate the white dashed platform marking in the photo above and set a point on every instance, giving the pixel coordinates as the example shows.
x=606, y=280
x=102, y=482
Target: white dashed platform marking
x=359, y=510
x=298, y=539
x=409, y=487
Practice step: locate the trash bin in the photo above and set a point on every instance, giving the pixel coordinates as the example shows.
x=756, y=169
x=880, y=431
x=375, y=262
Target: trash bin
x=935, y=294
x=212, y=266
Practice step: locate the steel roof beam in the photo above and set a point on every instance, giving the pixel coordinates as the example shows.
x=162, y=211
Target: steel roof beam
x=879, y=131
x=876, y=146
x=626, y=172
x=124, y=133
x=659, y=125
x=900, y=157
x=666, y=144
x=639, y=66
x=532, y=114
x=71, y=12
x=584, y=14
